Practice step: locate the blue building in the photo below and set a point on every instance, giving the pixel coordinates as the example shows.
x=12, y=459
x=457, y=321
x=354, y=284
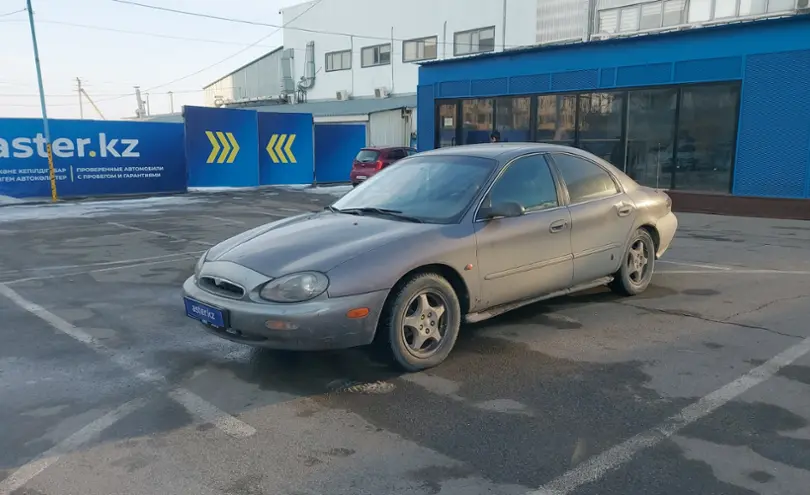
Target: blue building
x=720, y=116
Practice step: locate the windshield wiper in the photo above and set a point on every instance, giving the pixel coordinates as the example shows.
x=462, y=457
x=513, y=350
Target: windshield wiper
x=381, y=211
x=332, y=209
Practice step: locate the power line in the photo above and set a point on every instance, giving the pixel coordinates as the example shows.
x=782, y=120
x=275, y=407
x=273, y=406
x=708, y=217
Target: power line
x=12, y=13
x=285, y=25
x=143, y=33
x=65, y=95
x=229, y=57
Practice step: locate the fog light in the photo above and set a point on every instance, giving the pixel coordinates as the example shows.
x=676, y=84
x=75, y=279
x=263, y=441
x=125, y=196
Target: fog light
x=280, y=325
x=357, y=313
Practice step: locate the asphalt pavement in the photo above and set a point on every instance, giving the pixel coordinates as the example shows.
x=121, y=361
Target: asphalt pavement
x=701, y=385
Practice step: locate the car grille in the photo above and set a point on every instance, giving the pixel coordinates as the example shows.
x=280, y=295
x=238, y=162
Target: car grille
x=222, y=287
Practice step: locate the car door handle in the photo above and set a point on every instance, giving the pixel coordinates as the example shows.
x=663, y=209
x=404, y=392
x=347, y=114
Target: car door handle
x=624, y=209
x=557, y=226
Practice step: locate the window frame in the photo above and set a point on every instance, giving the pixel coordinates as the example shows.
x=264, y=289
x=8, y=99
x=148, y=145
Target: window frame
x=417, y=41
x=558, y=184
x=375, y=47
x=336, y=53
x=568, y=202
x=470, y=32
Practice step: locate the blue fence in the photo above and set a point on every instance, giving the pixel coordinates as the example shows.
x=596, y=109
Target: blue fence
x=91, y=158
x=213, y=147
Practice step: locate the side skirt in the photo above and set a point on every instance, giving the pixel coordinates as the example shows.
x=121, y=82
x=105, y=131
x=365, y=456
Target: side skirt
x=499, y=310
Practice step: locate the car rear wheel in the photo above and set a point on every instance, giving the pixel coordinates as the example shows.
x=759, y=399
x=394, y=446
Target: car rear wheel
x=638, y=263
x=421, y=322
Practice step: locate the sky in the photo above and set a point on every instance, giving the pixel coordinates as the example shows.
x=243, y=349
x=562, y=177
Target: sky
x=82, y=38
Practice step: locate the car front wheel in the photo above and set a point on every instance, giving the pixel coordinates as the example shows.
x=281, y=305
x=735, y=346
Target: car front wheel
x=636, y=271
x=422, y=322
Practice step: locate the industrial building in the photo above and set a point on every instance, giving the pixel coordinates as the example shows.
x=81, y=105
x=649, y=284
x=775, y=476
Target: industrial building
x=720, y=115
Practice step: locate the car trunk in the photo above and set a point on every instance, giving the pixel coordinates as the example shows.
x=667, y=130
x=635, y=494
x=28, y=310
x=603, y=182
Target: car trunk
x=366, y=161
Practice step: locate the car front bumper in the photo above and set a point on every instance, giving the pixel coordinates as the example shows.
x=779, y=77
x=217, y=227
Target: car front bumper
x=318, y=324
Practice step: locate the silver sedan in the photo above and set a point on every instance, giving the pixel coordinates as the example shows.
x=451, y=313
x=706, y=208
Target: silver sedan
x=443, y=237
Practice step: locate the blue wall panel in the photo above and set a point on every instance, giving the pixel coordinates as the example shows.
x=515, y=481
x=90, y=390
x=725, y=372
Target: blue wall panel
x=644, y=75
x=336, y=145
x=537, y=83
x=575, y=80
x=607, y=77
x=773, y=145
x=222, y=147
x=453, y=89
x=287, y=154
x=489, y=87
x=712, y=69
x=91, y=158
x=424, y=117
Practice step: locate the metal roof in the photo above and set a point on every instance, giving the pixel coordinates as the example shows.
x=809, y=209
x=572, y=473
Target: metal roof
x=620, y=39
x=243, y=66
x=334, y=108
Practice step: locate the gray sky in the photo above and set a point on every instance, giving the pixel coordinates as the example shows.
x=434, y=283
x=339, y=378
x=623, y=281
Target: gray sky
x=110, y=63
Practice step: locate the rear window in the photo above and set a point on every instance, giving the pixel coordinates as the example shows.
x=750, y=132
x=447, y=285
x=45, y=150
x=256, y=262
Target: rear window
x=367, y=156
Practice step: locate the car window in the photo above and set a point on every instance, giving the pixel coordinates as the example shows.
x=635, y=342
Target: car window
x=528, y=182
x=585, y=180
x=411, y=151
x=396, y=154
x=367, y=156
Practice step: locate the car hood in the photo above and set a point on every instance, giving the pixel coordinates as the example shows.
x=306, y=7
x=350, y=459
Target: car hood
x=317, y=242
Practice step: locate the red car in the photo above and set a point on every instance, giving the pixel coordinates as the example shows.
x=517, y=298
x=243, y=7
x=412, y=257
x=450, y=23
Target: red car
x=371, y=160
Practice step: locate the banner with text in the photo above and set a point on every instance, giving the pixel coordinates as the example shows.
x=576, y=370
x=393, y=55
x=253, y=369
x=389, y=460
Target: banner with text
x=287, y=153
x=222, y=147
x=91, y=158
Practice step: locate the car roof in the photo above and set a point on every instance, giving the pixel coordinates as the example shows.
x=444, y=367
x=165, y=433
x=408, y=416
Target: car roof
x=384, y=148
x=500, y=151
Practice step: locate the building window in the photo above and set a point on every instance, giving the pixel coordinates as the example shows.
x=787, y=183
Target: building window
x=700, y=10
x=608, y=21
x=674, y=12
x=628, y=20
x=420, y=49
x=650, y=16
x=781, y=5
x=556, y=119
x=599, y=128
x=477, y=121
x=753, y=7
x=725, y=8
x=707, y=132
x=650, y=134
x=474, y=41
x=339, y=60
x=376, y=55
x=512, y=118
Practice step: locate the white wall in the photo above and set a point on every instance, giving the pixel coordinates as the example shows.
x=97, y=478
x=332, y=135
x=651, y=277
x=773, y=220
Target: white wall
x=371, y=22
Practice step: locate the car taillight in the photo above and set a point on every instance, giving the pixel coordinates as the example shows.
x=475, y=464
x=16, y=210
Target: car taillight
x=378, y=165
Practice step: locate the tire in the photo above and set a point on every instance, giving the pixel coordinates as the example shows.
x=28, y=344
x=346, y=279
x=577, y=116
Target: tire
x=628, y=281
x=407, y=305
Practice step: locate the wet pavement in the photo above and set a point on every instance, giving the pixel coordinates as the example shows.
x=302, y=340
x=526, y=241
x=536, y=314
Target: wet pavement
x=701, y=385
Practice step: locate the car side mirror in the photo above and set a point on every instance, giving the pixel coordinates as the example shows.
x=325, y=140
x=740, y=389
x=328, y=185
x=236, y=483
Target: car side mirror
x=507, y=209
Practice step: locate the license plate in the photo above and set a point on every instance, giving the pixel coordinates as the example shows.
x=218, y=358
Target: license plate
x=361, y=177
x=204, y=313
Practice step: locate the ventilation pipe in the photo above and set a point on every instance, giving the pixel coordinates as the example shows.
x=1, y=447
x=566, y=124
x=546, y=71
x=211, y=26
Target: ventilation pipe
x=308, y=79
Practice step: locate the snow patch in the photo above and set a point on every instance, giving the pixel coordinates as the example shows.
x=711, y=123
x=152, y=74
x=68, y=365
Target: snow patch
x=219, y=189
x=92, y=208
x=8, y=200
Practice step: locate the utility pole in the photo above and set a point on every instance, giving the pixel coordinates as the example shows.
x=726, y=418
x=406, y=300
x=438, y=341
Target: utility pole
x=148, y=105
x=139, y=112
x=81, y=110
x=171, y=102
x=51, y=171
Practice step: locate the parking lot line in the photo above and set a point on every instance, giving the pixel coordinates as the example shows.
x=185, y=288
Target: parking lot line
x=696, y=265
x=733, y=272
x=159, y=234
x=596, y=467
x=100, y=270
x=27, y=472
x=103, y=263
x=201, y=409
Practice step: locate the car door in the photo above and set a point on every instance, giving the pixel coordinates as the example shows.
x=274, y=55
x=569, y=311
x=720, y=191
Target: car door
x=601, y=216
x=529, y=255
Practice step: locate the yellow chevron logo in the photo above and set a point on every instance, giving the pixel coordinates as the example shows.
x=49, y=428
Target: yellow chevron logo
x=280, y=152
x=225, y=142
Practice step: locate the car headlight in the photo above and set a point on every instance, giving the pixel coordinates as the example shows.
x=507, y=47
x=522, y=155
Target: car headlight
x=296, y=287
x=199, y=265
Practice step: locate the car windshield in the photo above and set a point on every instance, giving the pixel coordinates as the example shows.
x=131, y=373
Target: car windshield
x=434, y=189
x=367, y=156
